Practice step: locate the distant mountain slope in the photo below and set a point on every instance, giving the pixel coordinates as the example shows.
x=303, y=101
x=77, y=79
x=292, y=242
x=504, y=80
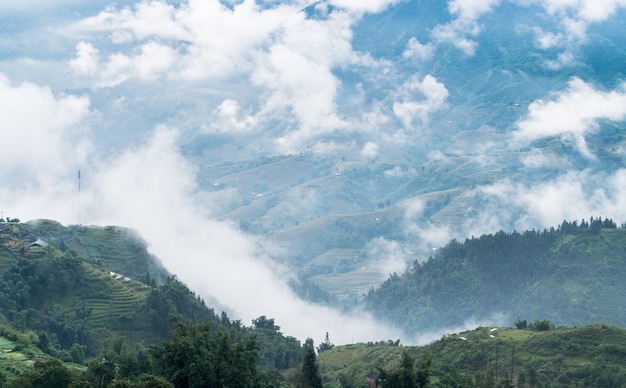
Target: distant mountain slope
x=571, y=275
x=312, y=202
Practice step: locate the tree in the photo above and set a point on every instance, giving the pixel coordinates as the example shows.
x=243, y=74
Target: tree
x=541, y=325
x=423, y=372
x=407, y=376
x=199, y=356
x=101, y=373
x=49, y=373
x=326, y=345
x=310, y=370
x=142, y=381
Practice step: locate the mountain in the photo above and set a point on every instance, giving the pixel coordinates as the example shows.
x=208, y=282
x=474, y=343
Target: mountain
x=330, y=141
x=88, y=285
x=79, y=321
x=325, y=212
x=80, y=293
x=569, y=275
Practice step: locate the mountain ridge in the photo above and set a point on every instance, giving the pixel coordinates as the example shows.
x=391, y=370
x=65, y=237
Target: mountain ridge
x=569, y=275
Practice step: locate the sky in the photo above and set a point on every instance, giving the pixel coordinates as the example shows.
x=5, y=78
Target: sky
x=117, y=90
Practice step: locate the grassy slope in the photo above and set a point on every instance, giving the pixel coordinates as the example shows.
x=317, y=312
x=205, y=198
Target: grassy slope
x=109, y=303
x=115, y=249
x=562, y=356
x=15, y=358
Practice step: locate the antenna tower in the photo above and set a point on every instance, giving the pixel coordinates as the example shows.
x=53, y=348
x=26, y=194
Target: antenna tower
x=80, y=221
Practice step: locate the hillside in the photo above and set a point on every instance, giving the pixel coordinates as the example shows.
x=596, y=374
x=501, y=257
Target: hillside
x=83, y=295
x=80, y=285
x=562, y=357
x=571, y=275
x=323, y=199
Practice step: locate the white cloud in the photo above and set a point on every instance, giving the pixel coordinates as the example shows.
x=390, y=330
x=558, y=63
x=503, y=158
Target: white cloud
x=288, y=58
x=372, y=6
x=571, y=196
x=414, y=209
x=572, y=113
x=387, y=255
x=429, y=235
x=419, y=51
x=538, y=158
x=572, y=35
x=209, y=39
x=302, y=87
x=436, y=156
x=139, y=187
x=419, y=99
x=399, y=172
x=143, y=184
x=151, y=63
x=146, y=19
x=471, y=9
x=42, y=133
x=573, y=18
x=547, y=40
x=370, y=150
x=229, y=117
x=588, y=10
x=576, y=29
x=465, y=24
x=564, y=59
x=455, y=33
x=86, y=61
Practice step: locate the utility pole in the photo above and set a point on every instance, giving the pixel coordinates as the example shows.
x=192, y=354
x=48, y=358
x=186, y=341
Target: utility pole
x=512, y=362
x=496, y=362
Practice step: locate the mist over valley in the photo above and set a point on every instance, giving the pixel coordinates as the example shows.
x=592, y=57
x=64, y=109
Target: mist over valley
x=282, y=159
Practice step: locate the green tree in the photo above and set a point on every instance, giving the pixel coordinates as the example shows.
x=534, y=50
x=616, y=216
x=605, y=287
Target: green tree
x=407, y=375
x=101, y=372
x=310, y=369
x=199, y=356
x=77, y=352
x=541, y=325
x=142, y=381
x=276, y=351
x=45, y=374
x=326, y=345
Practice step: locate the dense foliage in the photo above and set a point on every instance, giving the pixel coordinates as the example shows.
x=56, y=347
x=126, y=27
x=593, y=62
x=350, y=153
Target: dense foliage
x=570, y=275
x=63, y=294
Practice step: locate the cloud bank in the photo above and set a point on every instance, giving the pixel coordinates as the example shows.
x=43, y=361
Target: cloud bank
x=152, y=188
x=573, y=113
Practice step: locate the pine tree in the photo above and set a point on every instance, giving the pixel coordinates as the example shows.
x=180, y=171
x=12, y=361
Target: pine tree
x=310, y=370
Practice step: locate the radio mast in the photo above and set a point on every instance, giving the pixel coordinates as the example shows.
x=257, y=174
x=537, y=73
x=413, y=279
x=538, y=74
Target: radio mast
x=80, y=221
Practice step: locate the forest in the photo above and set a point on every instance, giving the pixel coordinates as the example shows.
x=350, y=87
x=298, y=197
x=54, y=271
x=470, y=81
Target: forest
x=571, y=275
x=66, y=306
x=88, y=307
